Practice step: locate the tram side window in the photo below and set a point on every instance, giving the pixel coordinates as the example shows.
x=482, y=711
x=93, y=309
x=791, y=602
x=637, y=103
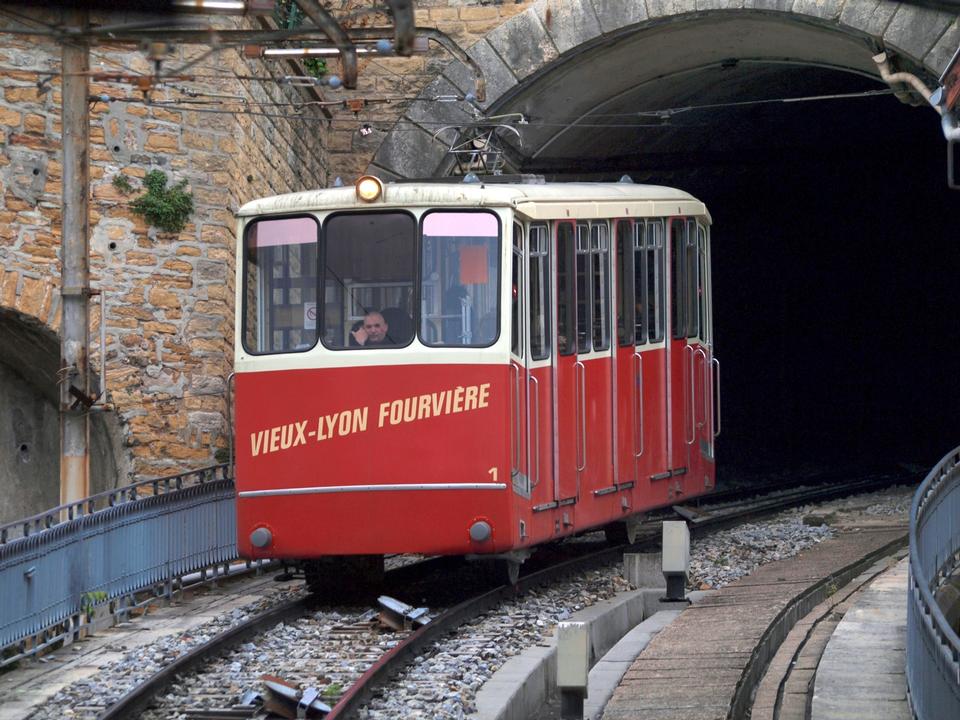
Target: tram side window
x=625, y=284
x=584, y=321
x=678, y=296
x=369, y=266
x=539, y=293
x=280, y=285
x=460, y=277
x=652, y=232
x=600, y=261
x=516, y=293
x=694, y=285
x=566, y=320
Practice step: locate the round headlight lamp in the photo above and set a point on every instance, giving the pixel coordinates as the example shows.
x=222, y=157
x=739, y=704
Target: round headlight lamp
x=369, y=188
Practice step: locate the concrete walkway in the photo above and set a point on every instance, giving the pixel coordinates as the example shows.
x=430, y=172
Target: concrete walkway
x=861, y=674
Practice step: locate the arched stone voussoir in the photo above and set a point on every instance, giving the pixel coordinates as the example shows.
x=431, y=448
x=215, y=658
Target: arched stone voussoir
x=523, y=43
x=410, y=151
x=914, y=31
x=570, y=23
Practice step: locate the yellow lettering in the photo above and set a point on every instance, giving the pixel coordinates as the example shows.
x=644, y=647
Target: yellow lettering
x=449, y=394
x=301, y=438
x=384, y=410
x=286, y=437
x=274, y=439
x=256, y=442
x=330, y=421
x=484, y=400
x=396, y=412
x=470, y=402
x=423, y=409
x=360, y=419
x=458, y=399
x=343, y=426
x=437, y=400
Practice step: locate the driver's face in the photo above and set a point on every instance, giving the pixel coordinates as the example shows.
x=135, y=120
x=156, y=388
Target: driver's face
x=376, y=327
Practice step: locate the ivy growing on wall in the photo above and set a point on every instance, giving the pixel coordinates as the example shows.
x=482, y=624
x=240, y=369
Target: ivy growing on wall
x=165, y=208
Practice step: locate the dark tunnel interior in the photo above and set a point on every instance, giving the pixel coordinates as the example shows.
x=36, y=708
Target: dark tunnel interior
x=835, y=284
x=835, y=292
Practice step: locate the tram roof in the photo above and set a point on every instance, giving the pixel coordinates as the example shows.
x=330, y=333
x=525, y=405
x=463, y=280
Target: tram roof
x=542, y=201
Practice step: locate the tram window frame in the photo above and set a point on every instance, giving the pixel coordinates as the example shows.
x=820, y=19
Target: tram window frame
x=345, y=316
x=494, y=253
x=678, y=295
x=638, y=272
x=703, y=286
x=538, y=243
x=654, y=235
x=583, y=263
x=517, y=333
x=600, y=285
x=566, y=297
x=693, y=283
x=259, y=309
x=624, y=233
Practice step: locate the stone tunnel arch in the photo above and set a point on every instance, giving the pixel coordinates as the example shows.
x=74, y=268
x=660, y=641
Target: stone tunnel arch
x=29, y=422
x=539, y=50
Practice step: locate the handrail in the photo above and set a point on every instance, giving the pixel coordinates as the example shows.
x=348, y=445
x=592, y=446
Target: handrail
x=101, y=555
x=110, y=498
x=933, y=647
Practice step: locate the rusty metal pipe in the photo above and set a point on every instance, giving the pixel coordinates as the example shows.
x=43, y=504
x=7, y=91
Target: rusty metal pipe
x=348, y=53
x=902, y=78
x=403, y=23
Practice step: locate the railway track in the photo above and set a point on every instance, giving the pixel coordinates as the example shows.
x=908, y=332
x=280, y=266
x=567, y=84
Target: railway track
x=388, y=655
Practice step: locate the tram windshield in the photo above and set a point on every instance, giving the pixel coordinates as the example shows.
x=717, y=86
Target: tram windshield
x=357, y=288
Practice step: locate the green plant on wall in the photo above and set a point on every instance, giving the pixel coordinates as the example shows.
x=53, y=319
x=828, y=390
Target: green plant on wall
x=315, y=66
x=165, y=208
x=89, y=600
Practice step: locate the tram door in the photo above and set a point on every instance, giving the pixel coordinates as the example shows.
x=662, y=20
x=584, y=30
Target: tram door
x=568, y=370
x=641, y=371
x=583, y=366
x=539, y=370
x=689, y=377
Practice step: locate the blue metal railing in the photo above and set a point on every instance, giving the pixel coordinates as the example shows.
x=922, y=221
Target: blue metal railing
x=933, y=648
x=56, y=565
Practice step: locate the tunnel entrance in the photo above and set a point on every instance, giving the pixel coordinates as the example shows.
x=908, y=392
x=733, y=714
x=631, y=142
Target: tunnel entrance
x=29, y=422
x=834, y=285
x=833, y=227
x=833, y=230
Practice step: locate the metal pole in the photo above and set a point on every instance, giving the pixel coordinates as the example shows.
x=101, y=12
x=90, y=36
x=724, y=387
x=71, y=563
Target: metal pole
x=75, y=275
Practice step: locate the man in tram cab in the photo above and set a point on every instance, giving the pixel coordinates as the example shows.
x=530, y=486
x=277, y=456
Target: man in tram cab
x=372, y=331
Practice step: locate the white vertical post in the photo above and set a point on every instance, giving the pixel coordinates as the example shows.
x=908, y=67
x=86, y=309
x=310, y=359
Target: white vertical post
x=676, y=557
x=573, y=664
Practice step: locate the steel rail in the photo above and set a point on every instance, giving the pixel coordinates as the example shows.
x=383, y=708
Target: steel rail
x=402, y=654
x=131, y=704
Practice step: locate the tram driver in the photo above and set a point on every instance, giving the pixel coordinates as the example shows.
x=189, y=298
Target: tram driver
x=373, y=331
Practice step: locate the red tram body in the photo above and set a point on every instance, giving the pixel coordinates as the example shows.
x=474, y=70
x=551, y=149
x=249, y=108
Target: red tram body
x=546, y=366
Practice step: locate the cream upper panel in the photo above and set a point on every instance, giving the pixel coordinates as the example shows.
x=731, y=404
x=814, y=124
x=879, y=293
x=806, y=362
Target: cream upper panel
x=545, y=201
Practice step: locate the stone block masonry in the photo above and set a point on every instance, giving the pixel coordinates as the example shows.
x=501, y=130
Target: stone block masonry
x=169, y=318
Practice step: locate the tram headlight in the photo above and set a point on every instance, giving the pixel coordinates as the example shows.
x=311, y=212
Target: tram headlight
x=261, y=538
x=369, y=188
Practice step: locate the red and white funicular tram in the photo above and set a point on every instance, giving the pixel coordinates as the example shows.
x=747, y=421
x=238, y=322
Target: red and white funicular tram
x=469, y=368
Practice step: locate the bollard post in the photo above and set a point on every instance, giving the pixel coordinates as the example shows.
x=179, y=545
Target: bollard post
x=573, y=664
x=676, y=558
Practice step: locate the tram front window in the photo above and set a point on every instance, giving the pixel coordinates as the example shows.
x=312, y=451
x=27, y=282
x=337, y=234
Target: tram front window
x=460, y=273
x=368, y=270
x=280, y=285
